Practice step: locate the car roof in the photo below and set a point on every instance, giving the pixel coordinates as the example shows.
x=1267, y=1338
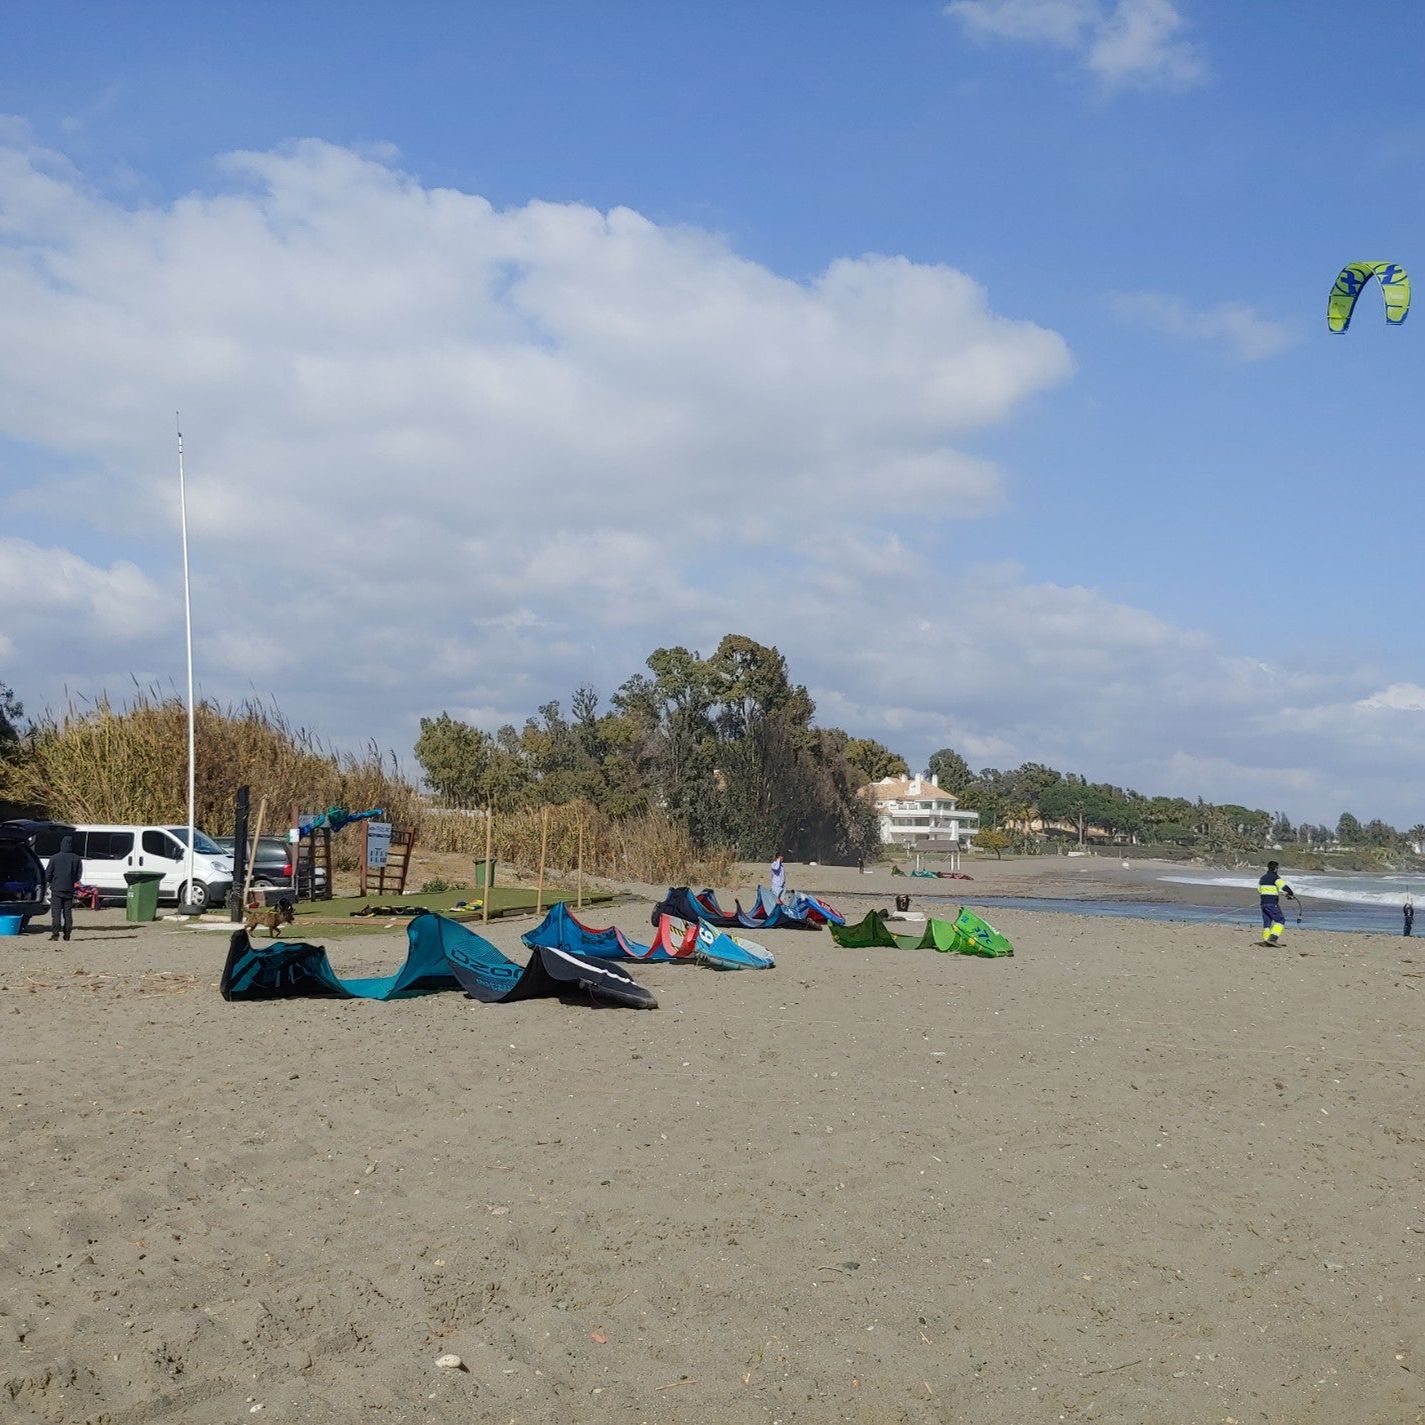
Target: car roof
x=26, y=829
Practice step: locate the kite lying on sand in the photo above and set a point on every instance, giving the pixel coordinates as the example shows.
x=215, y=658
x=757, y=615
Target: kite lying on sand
x=442, y=955
x=673, y=943
x=707, y=945
x=967, y=934
x=794, y=904
x=797, y=913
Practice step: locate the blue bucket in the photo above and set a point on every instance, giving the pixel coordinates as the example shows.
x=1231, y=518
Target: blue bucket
x=10, y=924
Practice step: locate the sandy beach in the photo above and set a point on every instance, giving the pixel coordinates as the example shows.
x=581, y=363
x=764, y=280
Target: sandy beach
x=1139, y=1173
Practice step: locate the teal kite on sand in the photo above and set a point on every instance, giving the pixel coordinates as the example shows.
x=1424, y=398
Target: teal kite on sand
x=967, y=934
x=442, y=955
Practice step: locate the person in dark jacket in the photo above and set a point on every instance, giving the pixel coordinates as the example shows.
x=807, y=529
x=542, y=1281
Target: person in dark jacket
x=1270, y=889
x=65, y=872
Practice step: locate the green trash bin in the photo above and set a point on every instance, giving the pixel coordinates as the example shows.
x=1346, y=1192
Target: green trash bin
x=484, y=874
x=141, y=902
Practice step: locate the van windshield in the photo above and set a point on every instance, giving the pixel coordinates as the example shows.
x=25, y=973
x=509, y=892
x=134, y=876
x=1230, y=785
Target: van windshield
x=202, y=843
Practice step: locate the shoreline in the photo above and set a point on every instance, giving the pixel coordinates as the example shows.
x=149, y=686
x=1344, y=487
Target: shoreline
x=1064, y=878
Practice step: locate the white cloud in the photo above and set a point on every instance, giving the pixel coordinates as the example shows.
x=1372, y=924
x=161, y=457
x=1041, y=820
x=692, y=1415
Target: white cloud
x=1065, y=23
x=443, y=455
x=1399, y=697
x=53, y=593
x=1017, y=669
x=1124, y=43
x=1230, y=326
x=334, y=325
x=426, y=432
x=1139, y=45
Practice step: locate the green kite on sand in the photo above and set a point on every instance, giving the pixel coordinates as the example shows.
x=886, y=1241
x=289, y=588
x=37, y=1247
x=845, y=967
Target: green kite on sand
x=967, y=934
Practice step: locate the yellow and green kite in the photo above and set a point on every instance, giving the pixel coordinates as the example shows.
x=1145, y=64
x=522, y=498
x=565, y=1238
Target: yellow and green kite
x=1394, y=286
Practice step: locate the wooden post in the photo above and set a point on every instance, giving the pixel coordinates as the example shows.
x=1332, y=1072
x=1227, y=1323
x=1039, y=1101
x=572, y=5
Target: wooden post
x=543, y=847
x=365, y=842
x=407, y=844
x=252, y=854
x=489, y=877
x=579, y=881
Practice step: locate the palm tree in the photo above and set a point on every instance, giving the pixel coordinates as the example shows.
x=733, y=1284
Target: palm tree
x=1018, y=819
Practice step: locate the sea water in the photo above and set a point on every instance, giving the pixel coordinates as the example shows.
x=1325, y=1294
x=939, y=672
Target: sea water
x=1380, y=889
x=1360, y=904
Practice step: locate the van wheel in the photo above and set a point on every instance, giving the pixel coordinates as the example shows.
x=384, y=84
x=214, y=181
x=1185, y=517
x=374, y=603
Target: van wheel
x=199, y=897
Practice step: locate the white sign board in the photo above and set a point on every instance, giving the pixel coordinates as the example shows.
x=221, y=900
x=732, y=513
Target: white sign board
x=378, y=844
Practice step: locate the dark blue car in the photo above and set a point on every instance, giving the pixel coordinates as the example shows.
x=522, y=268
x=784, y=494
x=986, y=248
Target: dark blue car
x=22, y=874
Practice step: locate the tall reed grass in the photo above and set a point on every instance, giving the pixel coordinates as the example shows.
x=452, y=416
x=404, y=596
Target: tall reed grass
x=96, y=762
x=649, y=847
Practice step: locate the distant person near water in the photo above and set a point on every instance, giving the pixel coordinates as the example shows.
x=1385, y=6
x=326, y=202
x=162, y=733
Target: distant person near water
x=1409, y=915
x=1270, y=888
x=64, y=874
x=779, y=876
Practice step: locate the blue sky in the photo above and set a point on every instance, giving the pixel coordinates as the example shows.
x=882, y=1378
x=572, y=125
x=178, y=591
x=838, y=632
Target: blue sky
x=1170, y=532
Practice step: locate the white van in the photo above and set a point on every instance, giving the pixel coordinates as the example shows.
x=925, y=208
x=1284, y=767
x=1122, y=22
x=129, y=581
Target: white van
x=108, y=851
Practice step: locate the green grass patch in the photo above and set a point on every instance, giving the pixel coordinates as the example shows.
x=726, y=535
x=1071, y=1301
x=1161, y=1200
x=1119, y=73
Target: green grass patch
x=321, y=920
x=504, y=900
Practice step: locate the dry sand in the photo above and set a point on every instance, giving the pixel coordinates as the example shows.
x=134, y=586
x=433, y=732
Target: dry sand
x=1140, y=1173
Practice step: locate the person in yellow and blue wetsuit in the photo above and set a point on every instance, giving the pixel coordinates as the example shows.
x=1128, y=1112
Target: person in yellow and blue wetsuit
x=1270, y=889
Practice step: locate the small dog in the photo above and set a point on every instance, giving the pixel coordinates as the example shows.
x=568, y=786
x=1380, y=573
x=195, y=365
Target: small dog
x=273, y=917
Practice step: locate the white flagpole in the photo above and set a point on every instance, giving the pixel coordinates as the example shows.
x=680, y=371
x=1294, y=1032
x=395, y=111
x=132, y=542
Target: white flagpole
x=188, y=625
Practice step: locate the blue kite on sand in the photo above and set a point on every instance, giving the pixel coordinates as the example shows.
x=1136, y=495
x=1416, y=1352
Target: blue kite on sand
x=794, y=905
x=442, y=955
x=681, y=904
x=722, y=951
x=561, y=929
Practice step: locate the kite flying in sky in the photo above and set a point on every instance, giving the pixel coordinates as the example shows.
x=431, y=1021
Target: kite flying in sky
x=1394, y=286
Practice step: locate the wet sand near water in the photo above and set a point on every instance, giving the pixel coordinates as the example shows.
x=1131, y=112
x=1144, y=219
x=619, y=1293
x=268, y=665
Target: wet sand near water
x=1096, y=877
x=1140, y=1172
